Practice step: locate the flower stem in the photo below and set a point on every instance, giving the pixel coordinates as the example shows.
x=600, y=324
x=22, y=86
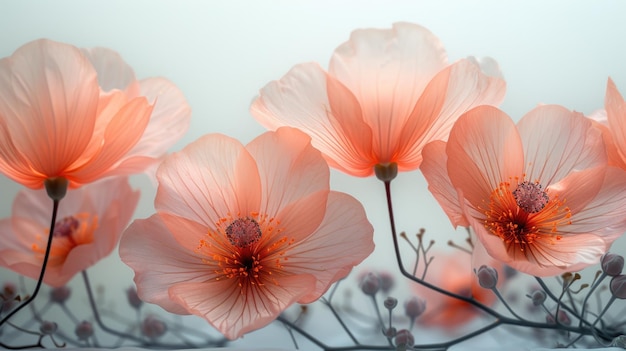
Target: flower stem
x=55, y=208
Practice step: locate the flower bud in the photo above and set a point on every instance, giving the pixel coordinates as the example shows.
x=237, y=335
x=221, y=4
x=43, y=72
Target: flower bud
x=84, y=330
x=370, y=284
x=404, y=339
x=563, y=318
x=618, y=286
x=487, y=277
x=48, y=328
x=153, y=327
x=133, y=298
x=538, y=297
x=386, y=281
x=390, y=303
x=9, y=291
x=60, y=295
x=390, y=332
x=414, y=307
x=612, y=264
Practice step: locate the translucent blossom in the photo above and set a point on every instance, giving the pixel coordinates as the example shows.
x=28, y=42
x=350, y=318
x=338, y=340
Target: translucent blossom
x=539, y=195
x=243, y=232
x=89, y=223
x=453, y=272
x=387, y=93
x=81, y=115
x=612, y=122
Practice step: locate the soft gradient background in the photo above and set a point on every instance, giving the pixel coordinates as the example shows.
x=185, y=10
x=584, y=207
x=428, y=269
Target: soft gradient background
x=220, y=53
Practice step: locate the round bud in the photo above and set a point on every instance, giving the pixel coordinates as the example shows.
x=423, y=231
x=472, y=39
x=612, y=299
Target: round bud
x=538, y=297
x=404, y=339
x=84, y=330
x=612, y=264
x=153, y=327
x=60, y=295
x=618, y=286
x=48, y=328
x=133, y=298
x=414, y=307
x=370, y=284
x=390, y=303
x=487, y=277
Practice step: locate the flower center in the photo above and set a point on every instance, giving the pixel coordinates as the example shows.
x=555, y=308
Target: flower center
x=69, y=232
x=530, y=197
x=524, y=215
x=250, y=248
x=243, y=232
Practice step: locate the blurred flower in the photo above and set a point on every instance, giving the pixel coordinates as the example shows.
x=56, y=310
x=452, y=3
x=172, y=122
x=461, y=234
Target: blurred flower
x=241, y=233
x=414, y=307
x=152, y=327
x=453, y=272
x=60, y=295
x=89, y=224
x=539, y=195
x=56, y=121
x=387, y=93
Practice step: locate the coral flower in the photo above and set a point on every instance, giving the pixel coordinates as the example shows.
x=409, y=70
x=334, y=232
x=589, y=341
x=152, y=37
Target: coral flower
x=56, y=121
x=452, y=272
x=241, y=233
x=539, y=195
x=89, y=224
x=387, y=94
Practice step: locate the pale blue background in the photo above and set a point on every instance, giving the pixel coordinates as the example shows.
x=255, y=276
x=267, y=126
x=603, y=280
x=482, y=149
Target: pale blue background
x=220, y=53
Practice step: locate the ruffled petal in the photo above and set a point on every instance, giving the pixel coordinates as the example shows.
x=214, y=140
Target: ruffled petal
x=169, y=121
x=453, y=91
x=289, y=168
x=343, y=240
x=159, y=261
x=484, y=149
x=316, y=103
x=558, y=142
x=113, y=71
x=48, y=103
x=209, y=179
x=616, y=115
x=387, y=71
x=435, y=170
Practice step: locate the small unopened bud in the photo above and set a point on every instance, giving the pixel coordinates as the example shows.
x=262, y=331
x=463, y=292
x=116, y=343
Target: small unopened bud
x=84, y=330
x=538, y=297
x=414, y=307
x=370, y=284
x=390, y=303
x=48, y=328
x=390, y=332
x=404, y=339
x=153, y=327
x=487, y=277
x=612, y=264
x=133, y=298
x=618, y=286
x=60, y=295
x=9, y=291
x=386, y=281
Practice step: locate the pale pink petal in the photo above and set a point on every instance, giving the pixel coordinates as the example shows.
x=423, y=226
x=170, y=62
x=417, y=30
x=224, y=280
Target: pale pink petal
x=316, y=103
x=569, y=254
x=289, y=168
x=453, y=91
x=387, y=71
x=435, y=170
x=343, y=240
x=234, y=313
x=159, y=261
x=484, y=149
x=578, y=189
x=169, y=120
x=48, y=102
x=557, y=142
x=614, y=156
x=304, y=215
x=113, y=71
x=209, y=179
x=605, y=215
x=616, y=114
